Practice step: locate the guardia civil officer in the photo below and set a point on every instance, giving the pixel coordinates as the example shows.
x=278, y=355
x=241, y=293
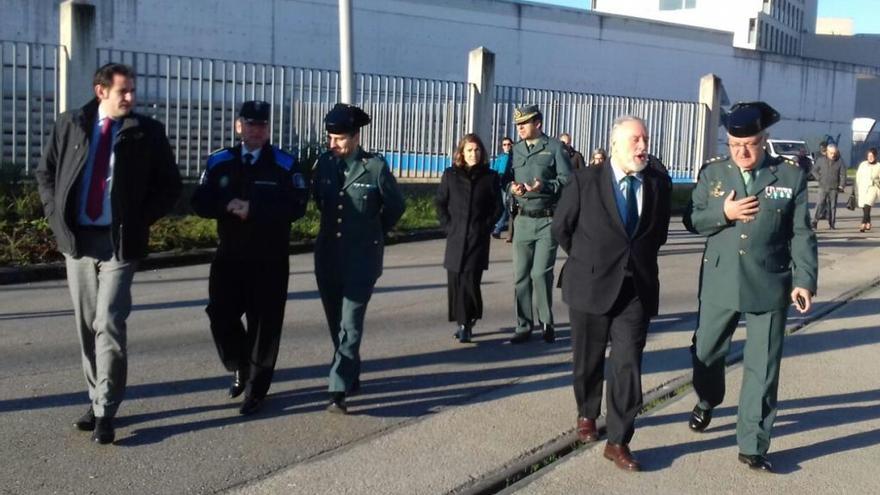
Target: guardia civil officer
x=541, y=167
x=760, y=257
x=359, y=202
x=255, y=191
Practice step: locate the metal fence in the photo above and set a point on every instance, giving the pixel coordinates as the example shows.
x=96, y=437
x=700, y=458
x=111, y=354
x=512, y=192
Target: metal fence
x=28, y=85
x=675, y=127
x=416, y=122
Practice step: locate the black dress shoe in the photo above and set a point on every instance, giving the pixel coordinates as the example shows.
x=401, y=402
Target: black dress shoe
x=700, y=418
x=756, y=462
x=250, y=405
x=496, y=235
x=86, y=422
x=103, y=433
x=337, y=403
x=237, y=385
x=520, y=338
x=464, y=334
x=549, y=333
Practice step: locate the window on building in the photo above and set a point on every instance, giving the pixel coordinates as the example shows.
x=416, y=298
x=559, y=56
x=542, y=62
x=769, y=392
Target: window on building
x=767, y=7
x=752, y=31
x=677, y=4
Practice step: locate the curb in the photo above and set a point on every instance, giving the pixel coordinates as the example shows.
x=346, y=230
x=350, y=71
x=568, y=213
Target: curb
x=170, y=259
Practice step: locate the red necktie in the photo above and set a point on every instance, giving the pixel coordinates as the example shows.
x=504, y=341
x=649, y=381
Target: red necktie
x=95, y=199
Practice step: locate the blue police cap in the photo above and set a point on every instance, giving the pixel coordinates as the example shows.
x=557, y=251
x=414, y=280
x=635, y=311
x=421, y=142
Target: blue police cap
x=750, y=118
x=345, y=119
x=255, y=111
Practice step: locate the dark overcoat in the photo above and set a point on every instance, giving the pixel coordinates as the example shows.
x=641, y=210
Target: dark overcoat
x=468, y=205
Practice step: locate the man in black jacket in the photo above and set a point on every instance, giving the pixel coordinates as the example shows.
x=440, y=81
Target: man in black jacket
x=255, y=191
x=830, y=172
x=105, y=176
x=612, y=220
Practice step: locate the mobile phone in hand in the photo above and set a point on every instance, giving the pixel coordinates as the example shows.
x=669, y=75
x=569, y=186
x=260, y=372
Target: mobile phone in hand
x=801, y=302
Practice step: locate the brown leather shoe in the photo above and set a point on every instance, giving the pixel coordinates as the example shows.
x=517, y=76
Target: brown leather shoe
x=586, y=428
x=621, y=456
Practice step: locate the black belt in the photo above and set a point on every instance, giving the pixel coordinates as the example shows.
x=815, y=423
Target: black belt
x=546, y=212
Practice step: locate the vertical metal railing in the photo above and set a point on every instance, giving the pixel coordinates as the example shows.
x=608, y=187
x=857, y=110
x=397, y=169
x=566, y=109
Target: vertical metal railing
x=675, y=127
x=28, y=89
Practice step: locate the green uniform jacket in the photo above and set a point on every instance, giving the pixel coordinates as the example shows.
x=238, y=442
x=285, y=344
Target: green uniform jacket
x=751, y=267
x=355, y=216
x=549, y=162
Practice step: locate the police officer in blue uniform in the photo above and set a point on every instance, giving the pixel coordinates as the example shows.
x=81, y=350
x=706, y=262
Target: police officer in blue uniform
x=359, y=202
x=255, y=191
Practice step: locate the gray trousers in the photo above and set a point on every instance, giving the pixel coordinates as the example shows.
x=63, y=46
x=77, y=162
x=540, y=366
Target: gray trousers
x=826, y=206
x=100, y=287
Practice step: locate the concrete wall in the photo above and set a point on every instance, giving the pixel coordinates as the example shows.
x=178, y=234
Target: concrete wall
x=536, y=46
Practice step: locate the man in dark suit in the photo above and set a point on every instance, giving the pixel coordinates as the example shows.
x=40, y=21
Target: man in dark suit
x=612, y=221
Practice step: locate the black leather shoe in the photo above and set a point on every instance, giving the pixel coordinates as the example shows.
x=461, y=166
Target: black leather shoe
x=496, y=235
x=250, y=405
x=464, y=335
x=549, y=333
x=756, y=462
x=355, y=387
x=700, y=418
x=337, y=403
x=86, y=422
x=521, y=338
x=103, y=433
x=237, y=385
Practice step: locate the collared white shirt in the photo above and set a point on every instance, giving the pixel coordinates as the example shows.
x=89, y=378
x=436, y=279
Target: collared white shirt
x=255, y=153
x=620, y=190
x=106, y=217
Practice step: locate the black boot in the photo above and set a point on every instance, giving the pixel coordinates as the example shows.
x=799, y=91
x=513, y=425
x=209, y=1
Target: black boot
x=465, y=333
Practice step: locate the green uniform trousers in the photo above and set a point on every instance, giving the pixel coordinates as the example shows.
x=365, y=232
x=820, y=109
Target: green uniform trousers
x=761, y=359
x=534, y=255
x=345, y=305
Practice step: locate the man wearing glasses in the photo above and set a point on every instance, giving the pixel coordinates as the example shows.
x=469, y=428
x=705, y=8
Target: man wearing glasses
x=760, y=257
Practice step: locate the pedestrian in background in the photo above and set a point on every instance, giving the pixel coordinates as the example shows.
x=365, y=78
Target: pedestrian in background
x=360, y=202
x=106, y=174
x=868, y=187
x=501, y=166
x=598, y=157
x=575, y=156
x=468, y=202
x=254, y=191
x=540, y=169
x=830, y=173
x=612, y=222
x=760, y=258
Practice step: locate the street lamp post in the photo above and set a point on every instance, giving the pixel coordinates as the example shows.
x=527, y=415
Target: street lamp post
x=346, y=54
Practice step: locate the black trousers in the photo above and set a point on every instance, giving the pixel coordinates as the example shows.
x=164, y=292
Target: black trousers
x=866, y=214
x=625, y=326
x=465, y=298
x=257, y=290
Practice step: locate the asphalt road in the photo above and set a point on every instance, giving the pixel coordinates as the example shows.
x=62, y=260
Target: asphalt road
x=178, y=433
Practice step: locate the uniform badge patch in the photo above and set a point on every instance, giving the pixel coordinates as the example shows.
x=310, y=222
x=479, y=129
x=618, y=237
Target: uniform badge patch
x=716, y=189
x=773, y=192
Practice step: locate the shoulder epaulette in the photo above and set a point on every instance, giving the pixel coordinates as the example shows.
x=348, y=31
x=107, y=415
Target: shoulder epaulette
x=716, y=159
x=283, y=158
x=219, y=156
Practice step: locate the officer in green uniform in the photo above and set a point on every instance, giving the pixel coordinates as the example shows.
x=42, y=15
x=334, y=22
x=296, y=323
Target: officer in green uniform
x=541, y=167
x=359, y=202
x=760, y=257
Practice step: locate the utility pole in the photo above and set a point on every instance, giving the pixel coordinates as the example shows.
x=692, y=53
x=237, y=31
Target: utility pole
x=346, y=54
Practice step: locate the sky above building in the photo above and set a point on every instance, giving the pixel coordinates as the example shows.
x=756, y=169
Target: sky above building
x=865, y=13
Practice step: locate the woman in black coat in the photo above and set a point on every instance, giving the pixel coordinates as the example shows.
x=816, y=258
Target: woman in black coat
x=468, y=205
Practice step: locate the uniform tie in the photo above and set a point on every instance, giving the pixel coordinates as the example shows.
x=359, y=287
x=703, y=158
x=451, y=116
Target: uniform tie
x=749, y=179
x=632, y=207
x=98, y=183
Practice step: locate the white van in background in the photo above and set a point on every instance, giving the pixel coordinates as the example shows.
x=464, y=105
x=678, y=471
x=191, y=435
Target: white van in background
x=794, y=150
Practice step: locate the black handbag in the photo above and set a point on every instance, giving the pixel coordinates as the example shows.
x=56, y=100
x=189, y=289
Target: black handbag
x=851, y=201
